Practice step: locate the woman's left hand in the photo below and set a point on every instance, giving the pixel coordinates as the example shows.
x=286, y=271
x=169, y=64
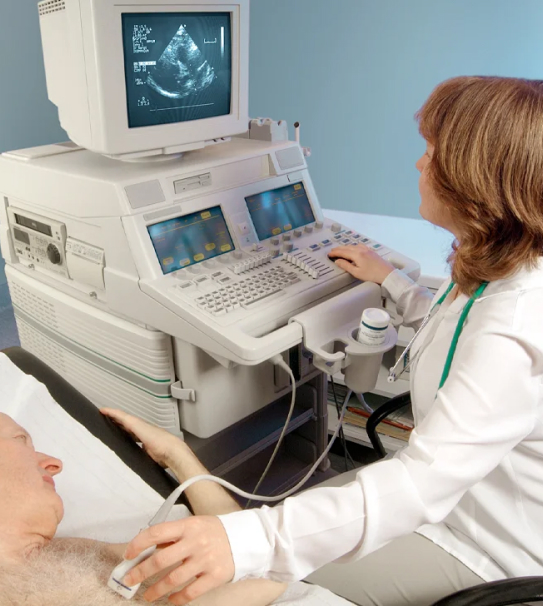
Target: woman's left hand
x=198, y=550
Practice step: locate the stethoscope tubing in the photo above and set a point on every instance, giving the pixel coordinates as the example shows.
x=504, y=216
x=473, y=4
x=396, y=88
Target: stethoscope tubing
x=405, y=356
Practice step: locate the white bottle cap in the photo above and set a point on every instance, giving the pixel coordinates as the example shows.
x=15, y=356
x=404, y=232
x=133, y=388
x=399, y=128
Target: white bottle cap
x=375, y=318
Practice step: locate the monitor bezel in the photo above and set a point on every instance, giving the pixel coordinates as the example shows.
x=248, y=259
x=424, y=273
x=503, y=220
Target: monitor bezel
x=107, y=93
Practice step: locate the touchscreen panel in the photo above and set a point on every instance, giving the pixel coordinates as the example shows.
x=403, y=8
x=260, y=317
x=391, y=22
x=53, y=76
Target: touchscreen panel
x=279, y=210
x=190, y=239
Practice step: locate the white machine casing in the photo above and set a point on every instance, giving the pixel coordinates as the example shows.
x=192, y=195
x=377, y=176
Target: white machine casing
x=84, y=66
x=126, y=334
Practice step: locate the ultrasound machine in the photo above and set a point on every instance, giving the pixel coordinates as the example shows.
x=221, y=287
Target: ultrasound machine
x=166, y=257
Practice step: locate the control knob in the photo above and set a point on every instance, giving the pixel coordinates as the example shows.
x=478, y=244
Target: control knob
x=297, y=233
x=53, y=254
x=336, y=227
x=288, y=247
x=308, y=228
x=319, y=224
x=287, y=238
x=275, y=241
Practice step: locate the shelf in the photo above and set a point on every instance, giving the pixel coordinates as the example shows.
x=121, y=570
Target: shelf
x=239, y=443
x=359, y=435
x=287, y=470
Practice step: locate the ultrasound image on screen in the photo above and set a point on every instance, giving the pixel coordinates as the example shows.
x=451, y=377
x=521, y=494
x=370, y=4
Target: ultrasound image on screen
x=178, y=66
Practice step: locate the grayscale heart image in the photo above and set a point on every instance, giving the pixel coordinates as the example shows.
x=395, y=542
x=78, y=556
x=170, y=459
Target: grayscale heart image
x=181, y=70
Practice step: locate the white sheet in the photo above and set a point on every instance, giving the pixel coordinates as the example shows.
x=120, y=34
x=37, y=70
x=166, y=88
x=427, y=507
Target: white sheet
x=103, y=498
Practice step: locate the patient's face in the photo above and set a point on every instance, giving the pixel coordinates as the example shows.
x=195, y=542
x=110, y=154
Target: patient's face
x=30, y=508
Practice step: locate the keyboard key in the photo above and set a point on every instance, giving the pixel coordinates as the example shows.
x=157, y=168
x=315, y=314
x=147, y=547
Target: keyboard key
x=262, y=298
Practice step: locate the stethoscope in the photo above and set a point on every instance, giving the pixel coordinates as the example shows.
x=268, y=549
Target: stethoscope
x=405, y=358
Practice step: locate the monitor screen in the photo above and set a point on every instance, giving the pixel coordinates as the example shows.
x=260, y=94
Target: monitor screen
x=178, y=66
x=190, y=239
x=279, y=210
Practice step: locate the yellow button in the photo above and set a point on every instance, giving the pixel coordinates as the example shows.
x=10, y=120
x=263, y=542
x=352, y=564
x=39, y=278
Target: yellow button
x=167, y=261
x=211, y=246
x=276, y=231
x=299, y=186
x=199, y=257
x=287, y=227
x=206, y=215
x=184, y=262
x=226, y=247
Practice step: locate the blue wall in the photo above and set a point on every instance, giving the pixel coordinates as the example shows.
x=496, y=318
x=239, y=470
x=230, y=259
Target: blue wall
x=27, y=118
x=353, y=72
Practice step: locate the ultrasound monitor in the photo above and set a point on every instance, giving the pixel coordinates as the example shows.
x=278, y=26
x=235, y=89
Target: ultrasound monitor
x=178, y=67
x=148, y=77
x=280, y=210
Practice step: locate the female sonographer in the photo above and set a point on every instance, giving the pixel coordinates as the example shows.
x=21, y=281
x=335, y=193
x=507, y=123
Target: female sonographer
x=461, y=503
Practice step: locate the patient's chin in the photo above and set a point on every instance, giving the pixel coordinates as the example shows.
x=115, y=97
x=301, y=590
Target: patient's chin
x=62, y=574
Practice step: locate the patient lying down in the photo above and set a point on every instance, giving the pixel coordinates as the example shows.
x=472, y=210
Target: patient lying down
x=38, y=570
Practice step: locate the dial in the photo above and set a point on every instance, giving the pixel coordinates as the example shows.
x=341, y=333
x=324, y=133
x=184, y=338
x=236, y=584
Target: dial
x=53, y=254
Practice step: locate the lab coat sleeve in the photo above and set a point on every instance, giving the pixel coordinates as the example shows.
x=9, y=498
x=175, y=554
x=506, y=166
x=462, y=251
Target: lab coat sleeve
x=477, y=419
x=412, y=301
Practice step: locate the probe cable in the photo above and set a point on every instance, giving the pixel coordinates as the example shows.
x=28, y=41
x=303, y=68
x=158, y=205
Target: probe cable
x=278, y=361
x=116, y=579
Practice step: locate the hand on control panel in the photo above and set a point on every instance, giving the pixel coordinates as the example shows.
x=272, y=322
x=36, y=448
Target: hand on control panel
x=362, y=263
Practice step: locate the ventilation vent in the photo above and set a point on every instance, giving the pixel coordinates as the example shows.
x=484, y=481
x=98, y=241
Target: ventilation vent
x=35, y=306
x=42, y=347
x=51, y=6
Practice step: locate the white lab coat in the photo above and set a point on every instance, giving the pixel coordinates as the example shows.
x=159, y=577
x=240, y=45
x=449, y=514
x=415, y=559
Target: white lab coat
x=470, y=478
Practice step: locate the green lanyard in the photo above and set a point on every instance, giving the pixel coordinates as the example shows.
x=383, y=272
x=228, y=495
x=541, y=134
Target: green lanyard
x=459, y=326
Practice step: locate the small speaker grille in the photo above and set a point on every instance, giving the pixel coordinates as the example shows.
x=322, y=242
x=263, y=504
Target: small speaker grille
x=51, y=6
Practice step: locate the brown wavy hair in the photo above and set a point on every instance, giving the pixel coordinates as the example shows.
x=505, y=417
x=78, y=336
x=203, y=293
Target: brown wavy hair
x=487, y=170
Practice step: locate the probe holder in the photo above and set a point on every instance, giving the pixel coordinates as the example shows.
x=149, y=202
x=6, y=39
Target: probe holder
x=330, y=330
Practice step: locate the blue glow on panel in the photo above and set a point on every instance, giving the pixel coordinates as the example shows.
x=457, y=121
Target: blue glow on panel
x=280, y=210
x=190, y=239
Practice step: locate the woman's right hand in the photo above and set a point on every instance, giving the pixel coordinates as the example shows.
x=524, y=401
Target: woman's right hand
x=362, y=263
x=195, y=550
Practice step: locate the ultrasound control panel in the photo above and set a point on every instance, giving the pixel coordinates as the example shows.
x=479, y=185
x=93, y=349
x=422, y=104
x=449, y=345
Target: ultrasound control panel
x=255, y=258
x=267, y=277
